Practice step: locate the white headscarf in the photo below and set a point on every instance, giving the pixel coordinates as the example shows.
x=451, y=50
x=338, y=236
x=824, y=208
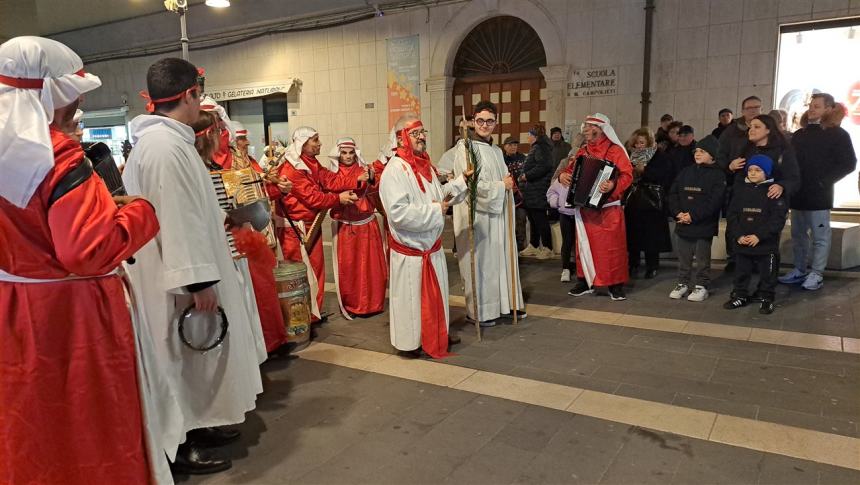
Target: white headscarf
x=209, y=104
x=387, y=150
x=334, y=153
x=240, y=129
x=602, y=121
x=37, y=76
x=78, y=116
x=294, y=151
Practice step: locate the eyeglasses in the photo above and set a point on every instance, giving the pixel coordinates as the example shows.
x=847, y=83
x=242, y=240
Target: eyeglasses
x=417, y=133
x=482, y=122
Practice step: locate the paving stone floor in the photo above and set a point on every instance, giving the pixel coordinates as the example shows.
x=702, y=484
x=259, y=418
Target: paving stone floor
x=320, y=423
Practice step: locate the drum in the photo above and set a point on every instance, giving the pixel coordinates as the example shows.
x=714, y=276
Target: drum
x=294, y=293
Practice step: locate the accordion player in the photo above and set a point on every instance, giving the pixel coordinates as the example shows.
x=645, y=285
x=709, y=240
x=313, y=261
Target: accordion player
x=588, y=174
x=242, y=195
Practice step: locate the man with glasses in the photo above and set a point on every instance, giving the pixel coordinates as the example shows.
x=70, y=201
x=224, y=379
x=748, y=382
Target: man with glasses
x=495, y=255
x=415, y=203
x=732, y=143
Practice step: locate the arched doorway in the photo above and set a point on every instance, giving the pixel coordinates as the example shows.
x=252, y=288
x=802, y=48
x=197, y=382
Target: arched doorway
x=499, y=60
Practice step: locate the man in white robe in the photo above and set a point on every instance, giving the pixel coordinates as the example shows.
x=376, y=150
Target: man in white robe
x=415, y=203
x=189, y=264
x=496, y=263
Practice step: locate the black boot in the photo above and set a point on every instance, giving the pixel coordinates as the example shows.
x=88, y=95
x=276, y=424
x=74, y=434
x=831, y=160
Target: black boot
x=193, y=460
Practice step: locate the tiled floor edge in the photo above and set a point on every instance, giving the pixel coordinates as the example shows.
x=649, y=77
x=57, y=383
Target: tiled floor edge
x=725, y=429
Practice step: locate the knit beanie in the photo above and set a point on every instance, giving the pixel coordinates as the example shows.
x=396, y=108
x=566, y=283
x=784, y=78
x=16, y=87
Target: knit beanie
x=764, y=162
x=709, y=144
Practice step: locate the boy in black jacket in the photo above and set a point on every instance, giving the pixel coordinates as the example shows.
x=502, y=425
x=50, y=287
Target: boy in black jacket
x=755, y=222
x=695, y=199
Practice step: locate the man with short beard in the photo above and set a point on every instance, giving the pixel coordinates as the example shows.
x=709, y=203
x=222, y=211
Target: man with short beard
x=315, y=189
x=496, y=273
x=415, y=203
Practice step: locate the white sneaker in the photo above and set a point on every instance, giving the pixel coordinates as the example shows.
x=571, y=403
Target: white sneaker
x=700, y=293
x=565, y=275
x=813, y=282
x=679, y=292
x=544, y=253
x=529, y=251
x=792, y=277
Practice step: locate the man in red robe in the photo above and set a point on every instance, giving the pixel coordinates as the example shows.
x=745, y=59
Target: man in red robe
x=260, y=265
x=70, y=406
x=358, y=254
x=241, y=158
x=315, y=191
x=601, y=243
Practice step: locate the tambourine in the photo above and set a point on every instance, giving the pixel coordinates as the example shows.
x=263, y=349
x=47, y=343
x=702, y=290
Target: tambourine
x=218, y=341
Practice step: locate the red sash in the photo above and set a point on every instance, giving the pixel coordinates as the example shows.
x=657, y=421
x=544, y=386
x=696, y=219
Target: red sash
x=434, y=331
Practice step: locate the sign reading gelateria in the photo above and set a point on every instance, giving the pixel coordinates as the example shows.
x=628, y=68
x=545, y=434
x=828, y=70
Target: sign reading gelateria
x=598, y=81
x=248, y=90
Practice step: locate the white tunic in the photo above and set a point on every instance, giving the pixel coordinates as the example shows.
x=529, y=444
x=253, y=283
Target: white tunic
x=415, y=220
x=493, y=250
x=217, y=387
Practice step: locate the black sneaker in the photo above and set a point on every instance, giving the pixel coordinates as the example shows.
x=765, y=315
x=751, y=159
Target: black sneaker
x=521, y=315
x=581, y=288
x=736, y=302
x=766, y=307
x=616, y=293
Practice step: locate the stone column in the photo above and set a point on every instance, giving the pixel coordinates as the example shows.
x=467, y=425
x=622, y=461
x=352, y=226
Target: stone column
x=556, y=78
x=441, y=117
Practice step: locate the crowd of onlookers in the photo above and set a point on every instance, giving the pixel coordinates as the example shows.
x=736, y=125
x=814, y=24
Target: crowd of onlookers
x=750, y=170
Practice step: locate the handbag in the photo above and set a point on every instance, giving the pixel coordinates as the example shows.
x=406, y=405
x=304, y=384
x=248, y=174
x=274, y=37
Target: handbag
x=646, y=197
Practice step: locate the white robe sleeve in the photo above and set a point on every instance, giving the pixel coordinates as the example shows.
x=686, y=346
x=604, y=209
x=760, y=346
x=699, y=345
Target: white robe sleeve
x=491, y=193
x=403, y=213
x=168, y=182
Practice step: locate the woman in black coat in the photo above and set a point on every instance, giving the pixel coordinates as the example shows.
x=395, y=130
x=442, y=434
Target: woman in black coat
x=647, y=227
x=765, y=138
x=534, y=182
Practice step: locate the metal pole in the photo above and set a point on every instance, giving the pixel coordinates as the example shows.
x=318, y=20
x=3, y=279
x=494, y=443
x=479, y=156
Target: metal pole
x=646, y=68
x=184, y=30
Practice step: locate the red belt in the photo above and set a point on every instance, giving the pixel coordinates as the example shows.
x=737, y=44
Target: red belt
x=434, y=331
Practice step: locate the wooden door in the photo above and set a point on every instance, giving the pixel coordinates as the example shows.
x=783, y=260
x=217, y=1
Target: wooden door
x=519, y=97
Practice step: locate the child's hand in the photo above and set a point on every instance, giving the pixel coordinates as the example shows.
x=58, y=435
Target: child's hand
x=686, y=218
x=743, y=240
x=752, y=240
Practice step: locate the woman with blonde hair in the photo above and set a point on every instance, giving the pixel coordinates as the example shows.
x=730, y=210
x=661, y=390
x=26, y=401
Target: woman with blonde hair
x=644, y=214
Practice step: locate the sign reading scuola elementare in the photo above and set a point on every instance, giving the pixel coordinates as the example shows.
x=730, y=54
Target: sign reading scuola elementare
x=596, y=81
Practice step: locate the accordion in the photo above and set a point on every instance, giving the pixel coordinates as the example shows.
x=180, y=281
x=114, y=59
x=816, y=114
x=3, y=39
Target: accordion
x=241, y=194
x=588, y=174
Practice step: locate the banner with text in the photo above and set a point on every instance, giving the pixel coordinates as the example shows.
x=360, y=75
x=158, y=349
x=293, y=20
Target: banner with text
x=600, y=81
x=403, y=78
x=248, y=90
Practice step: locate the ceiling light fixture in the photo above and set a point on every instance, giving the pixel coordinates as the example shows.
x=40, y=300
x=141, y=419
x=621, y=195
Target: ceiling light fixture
x=218, y=3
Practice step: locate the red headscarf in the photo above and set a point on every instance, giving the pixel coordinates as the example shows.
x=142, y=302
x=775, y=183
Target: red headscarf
x=420, y=164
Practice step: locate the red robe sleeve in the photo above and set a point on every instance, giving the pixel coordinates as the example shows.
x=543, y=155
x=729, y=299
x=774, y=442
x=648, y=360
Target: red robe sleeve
x=341, y=181
x=91, y=235
x=307, y=190
x=617, y=156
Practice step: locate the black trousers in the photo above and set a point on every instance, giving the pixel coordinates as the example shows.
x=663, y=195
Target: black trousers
x=539, y=228
x=568, y=236
x=768, y=270
x=634, y=259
